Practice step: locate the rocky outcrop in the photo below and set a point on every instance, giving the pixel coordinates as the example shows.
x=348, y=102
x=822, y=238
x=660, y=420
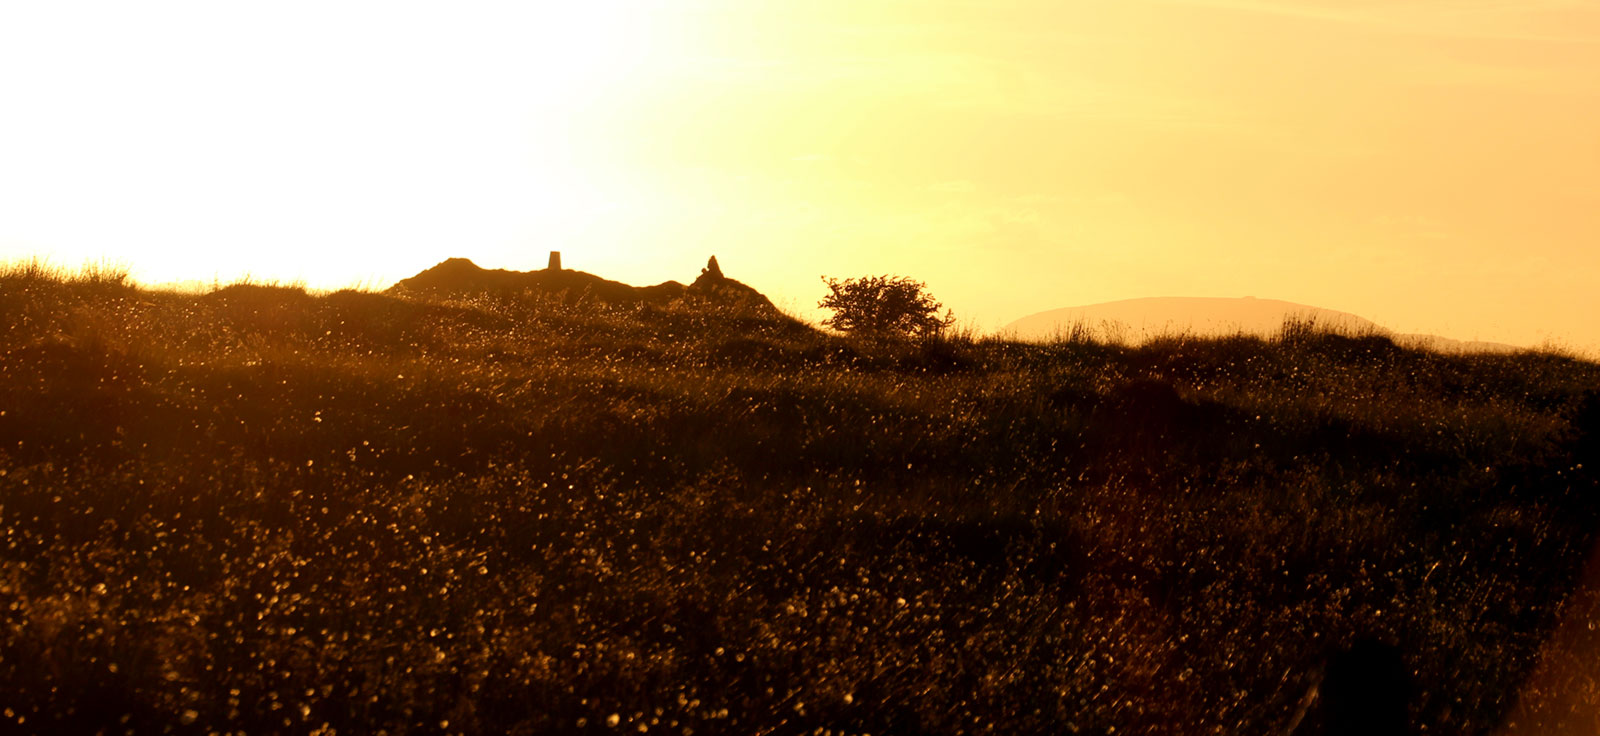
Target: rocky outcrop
x=713, y=286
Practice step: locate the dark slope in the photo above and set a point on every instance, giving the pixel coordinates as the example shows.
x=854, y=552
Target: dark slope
x=262, y=510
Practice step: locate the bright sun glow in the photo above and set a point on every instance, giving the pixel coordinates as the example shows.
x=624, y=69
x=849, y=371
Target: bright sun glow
x=1428, y=165
x=320, y=141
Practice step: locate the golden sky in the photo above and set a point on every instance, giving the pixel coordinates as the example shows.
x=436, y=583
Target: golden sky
x=1433, y=165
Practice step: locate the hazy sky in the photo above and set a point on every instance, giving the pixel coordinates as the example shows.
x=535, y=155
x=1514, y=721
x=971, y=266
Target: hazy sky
x=1433, y=165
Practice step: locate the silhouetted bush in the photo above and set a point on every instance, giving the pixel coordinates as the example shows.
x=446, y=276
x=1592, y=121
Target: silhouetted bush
x=883, y=306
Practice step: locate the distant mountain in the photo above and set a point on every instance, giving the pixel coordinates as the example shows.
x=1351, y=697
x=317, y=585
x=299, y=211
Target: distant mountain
x=1141, y=319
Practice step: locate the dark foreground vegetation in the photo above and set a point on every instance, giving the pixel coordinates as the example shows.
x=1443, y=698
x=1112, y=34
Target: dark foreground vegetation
x=263, y=511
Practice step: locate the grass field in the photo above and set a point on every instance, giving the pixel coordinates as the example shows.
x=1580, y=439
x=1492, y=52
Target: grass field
x=259, y=510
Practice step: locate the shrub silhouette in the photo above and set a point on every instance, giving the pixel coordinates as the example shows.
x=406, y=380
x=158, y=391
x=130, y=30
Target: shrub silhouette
x=883, y=306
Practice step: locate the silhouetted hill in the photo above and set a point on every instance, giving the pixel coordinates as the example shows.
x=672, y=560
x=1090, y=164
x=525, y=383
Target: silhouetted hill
x=462, y=276
x=1211, y=316
x=269, y=510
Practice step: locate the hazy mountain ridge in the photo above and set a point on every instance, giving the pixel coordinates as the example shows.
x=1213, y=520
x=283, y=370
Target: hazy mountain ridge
x=1148, y=317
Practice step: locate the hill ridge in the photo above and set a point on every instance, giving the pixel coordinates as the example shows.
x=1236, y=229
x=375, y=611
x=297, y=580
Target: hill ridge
x=461, y=275
x=1147, y=317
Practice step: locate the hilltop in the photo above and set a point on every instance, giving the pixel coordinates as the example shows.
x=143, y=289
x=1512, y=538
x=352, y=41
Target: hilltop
x=462, y=276
x=508, y=512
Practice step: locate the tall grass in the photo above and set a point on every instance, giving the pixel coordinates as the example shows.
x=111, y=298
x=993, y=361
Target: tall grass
x=39, y=271
x=264, y=510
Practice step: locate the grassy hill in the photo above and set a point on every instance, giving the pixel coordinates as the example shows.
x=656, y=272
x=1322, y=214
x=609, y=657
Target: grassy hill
x=262, y=510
